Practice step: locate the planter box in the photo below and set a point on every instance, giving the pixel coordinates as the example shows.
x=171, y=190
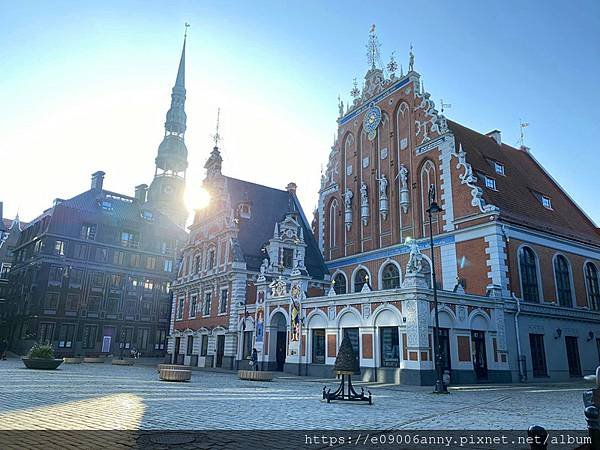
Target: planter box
x=94, y=360
x=178, y=374
x=255, y=375
x=122, y=362
x=41, y=363
x=169, y=366
x=70, y=360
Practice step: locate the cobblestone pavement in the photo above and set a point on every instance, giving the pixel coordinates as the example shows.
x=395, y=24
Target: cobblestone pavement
x=106, y=397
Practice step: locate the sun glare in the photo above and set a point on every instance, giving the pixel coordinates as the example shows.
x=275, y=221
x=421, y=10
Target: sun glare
x=196, y=198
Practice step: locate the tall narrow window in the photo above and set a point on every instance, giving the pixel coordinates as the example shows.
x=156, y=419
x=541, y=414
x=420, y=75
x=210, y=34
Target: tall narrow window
x=207, y=303
x=390, y=349
x=193, y=303
x=593, y=288
x=180, y=308
x=390, y=278
x=428, y=179
x=529, y=278
x=223, y=301
x=573, y=356
x=563, y=281
x=538, y=355
x=339, y=284
x=333, y=213
x=360, y=279
x=318, y=346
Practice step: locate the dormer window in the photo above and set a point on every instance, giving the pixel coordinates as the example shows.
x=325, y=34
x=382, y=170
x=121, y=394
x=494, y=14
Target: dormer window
x=490, y=183
x=147, y=215
x=546, y=202
x=499, y=168
x=244, y=209
x=106, y=205
x=288, y=258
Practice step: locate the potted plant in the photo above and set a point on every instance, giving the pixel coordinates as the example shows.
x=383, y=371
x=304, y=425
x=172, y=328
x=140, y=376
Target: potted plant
x=41, y=356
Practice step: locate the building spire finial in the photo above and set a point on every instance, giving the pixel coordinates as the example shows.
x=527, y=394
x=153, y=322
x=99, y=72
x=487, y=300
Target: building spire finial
x=217, y=137
x=373, y=46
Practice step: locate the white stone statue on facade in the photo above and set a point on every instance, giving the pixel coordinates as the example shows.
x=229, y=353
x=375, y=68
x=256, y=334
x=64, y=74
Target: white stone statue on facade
x=411, y=59
x=348, y=208
x=364, y=203
x=383, y=198
x=404, y=197
x=415, y=258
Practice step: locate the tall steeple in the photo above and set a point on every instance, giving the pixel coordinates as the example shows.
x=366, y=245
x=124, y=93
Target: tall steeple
x=167, y=189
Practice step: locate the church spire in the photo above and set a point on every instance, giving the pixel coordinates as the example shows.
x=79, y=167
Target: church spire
x=167, y=189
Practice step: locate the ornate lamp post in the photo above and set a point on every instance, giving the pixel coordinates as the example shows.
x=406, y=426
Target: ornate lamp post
x=123, y=336
x=440, y=387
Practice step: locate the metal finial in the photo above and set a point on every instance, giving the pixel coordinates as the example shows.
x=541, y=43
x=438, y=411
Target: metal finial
x=187, y=25
x=392, y=65
x=522, y=126
x=355, y=92
x=373, y=46
x=217, y=137
x=444, y=105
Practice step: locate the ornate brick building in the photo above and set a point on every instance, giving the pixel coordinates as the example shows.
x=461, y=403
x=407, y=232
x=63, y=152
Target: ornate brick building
x=249, y=237
x=516, y=259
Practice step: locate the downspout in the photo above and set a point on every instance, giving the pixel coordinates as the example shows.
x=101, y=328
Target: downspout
x=522, y=376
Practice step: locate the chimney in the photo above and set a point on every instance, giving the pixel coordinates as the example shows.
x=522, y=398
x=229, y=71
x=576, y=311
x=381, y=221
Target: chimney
x=140, y=193
x=291, y=187
x=98, y=180
x=495, y=135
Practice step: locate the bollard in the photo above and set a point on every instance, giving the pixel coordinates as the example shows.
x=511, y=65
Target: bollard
x=538, y=436
x=592, y=416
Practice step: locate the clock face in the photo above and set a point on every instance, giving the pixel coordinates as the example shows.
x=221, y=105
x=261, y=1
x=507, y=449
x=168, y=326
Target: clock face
x=372, y=120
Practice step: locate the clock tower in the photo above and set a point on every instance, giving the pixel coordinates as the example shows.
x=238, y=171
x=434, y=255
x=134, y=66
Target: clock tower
x=167, y=190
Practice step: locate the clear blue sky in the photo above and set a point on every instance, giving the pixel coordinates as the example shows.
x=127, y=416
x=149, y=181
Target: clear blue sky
x=84, y=86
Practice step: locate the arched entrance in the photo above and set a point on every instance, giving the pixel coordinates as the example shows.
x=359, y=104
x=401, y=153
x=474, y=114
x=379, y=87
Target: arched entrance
x=278, y=328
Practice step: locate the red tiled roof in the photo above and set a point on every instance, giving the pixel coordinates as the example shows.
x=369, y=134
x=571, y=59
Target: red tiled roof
x=516, y=191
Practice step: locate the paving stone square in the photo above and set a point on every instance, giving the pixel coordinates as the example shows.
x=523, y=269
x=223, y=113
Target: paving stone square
x=107, y=397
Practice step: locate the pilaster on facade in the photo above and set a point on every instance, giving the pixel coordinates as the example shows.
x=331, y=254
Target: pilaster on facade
x=449, y=266
x=446, y=149
x=497, y=260
x=238, y=298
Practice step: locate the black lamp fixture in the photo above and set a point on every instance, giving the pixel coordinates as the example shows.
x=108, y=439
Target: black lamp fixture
x=440, y=386
x=557, y=333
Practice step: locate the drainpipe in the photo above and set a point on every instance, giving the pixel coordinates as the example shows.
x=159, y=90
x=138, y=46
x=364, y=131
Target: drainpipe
x=522, y=376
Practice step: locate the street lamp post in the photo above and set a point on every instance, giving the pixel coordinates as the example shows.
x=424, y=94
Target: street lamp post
x=123, y=335
x=440, y=387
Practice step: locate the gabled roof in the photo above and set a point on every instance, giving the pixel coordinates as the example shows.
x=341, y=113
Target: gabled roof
x=518, y=192
x=270, y=206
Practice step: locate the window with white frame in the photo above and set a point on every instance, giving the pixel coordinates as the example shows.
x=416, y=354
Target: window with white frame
x=223, y=301
x=193, y=305
x=207, y=304
x=179, y=315
x=490, y=183
x=333, y=212
x=546, y=202
x=499, y=168
x=168, y=265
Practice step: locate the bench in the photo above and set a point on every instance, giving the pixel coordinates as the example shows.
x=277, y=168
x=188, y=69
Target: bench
x=255, y=375
x=169, y=366
x=178, y=374
x=91, y=359
x=72, y=360
x=122, y=362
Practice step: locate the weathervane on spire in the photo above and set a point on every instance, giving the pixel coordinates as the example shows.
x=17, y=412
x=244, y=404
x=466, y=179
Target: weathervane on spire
x=187, y=25
x=355, y=92
x=217, y=137
x=392, y=66
x=373, y=46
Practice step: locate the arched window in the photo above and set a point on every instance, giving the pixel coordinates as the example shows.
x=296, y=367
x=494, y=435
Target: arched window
x=333, y=213
x=529, y=278
x=428, y=179
x=339, y=285
x=390, y=277
x=360, y=279
x=563, y=281
x=211, y=258
x=593, y=288
x=426, y=271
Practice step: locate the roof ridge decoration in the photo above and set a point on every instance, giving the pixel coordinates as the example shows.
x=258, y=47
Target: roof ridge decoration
x=437, y=122
x=469, y=179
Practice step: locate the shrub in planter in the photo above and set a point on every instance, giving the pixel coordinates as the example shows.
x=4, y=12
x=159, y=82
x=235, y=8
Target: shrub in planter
x=41, y=356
